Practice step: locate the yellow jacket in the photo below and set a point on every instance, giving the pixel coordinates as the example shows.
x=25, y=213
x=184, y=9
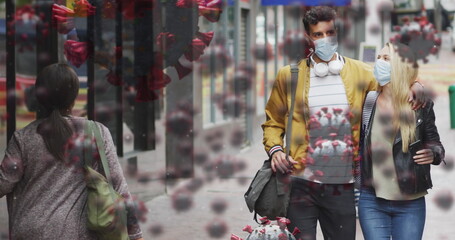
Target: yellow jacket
x=358, y=79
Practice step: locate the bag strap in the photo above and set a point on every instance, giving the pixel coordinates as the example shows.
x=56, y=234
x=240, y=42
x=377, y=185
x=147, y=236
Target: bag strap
x=281, y=186
x=102, y=152
x=370, y=100
x=91, y=129
x=294, y=79
x=87, y=142
x=368, y=106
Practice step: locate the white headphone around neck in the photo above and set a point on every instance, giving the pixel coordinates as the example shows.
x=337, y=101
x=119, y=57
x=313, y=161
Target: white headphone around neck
x=334, y=67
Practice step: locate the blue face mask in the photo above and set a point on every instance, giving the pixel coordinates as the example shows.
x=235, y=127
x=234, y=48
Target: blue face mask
x=382, y=72
x=326, y=47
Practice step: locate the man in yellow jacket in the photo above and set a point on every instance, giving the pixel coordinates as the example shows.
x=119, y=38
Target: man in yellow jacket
x=325, y=131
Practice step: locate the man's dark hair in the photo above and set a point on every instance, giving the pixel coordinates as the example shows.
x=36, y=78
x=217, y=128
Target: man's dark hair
x=318, y=14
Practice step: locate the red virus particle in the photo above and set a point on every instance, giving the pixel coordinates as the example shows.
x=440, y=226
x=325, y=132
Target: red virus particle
x=179, y=122
x=225, y=166
x=215, y=140
x=237, y=138
x=242, y=81
x=384, y=10
x=113, y=78
x=231, y=105
x=185, y=147
x=263, y=52
x=219, y=205
x=216, y=228
x=156, y=229
x=375, y=29
x=62, y=18
x=444, y=200
x=194, y=185
x=140, y=209
x=216, y=59
x=169, y=174
x=419, y=38
x=165, y=41
x=448, y=166
x=82, y=8
x=268, y=230
x=182, y=200
x=12, y=167
x=296, y=45
x=243, y=180
x=235, y=237
x=283, y=222
x=143, y=178
x=264, y=220
x=200, y=157
x=76, y=52
x=283, y=236
x=248, y=229
x=105, y=112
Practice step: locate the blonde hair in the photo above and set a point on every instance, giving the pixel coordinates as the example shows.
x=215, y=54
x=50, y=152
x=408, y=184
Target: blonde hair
x=404, y=73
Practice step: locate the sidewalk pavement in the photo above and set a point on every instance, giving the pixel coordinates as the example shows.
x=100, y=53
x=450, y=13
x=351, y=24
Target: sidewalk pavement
x=194, y=223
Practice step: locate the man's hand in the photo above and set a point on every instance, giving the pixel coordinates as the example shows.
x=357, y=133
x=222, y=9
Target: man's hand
x=280, y=163
x=417, y=96
x=424, y=156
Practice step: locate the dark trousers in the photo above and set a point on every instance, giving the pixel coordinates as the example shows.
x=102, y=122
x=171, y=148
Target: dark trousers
x=332, y=204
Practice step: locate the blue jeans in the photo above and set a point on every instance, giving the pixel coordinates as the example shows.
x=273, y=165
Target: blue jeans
x=385, y=219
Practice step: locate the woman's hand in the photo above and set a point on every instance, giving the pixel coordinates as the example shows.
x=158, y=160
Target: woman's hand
x=279, y=162
x=424, y=156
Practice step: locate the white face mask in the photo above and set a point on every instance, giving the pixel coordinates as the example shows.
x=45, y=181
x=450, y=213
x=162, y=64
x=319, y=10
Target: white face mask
x=382, y=72
x=326, y=47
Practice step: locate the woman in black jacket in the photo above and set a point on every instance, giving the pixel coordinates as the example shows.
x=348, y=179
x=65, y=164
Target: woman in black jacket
x=398, y=145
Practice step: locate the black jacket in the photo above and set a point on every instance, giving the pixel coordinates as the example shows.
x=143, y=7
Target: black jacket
x=412, y=178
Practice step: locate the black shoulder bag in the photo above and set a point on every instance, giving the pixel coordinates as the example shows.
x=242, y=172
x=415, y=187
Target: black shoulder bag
x=269, y=193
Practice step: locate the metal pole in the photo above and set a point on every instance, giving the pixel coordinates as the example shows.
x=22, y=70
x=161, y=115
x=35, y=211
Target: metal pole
x=144, y=119
x=91, y=65
x=275, y=16
x=266, y=40
x=119, y=74
x=438, y=15
x=212, y=87
x=10, y=70
x=285, y=23
x=236, y=34
x=224, y=24
x=248, y=94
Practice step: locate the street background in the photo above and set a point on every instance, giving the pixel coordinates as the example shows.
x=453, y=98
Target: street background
x=437, y=75
x=208, y=203
x=164, y=222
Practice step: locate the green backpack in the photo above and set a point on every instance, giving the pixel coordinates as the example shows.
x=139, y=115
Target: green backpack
x=106, y=210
